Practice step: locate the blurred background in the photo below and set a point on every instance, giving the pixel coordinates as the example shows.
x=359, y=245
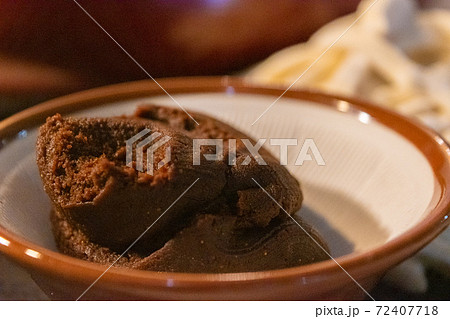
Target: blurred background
x=51, y=48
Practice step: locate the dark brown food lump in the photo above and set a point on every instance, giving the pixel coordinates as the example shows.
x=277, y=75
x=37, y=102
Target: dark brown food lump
x=224, y=223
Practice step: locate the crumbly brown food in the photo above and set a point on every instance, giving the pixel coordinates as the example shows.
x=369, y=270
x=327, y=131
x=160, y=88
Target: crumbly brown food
x=82, y=165
x=210, y=243
x=252, y=204
x=102, y=206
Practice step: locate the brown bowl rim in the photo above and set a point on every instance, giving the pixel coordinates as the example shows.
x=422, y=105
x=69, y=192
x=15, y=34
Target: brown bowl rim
x=432, y=146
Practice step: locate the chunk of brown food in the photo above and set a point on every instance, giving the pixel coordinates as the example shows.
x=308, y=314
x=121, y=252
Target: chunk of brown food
x=102, y=206
x=83, y=166
x=209, y=244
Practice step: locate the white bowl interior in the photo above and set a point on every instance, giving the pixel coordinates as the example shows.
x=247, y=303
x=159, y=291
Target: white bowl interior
x=374, y=186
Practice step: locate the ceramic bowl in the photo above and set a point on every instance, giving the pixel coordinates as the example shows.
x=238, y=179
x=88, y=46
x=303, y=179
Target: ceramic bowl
x=380, y=197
